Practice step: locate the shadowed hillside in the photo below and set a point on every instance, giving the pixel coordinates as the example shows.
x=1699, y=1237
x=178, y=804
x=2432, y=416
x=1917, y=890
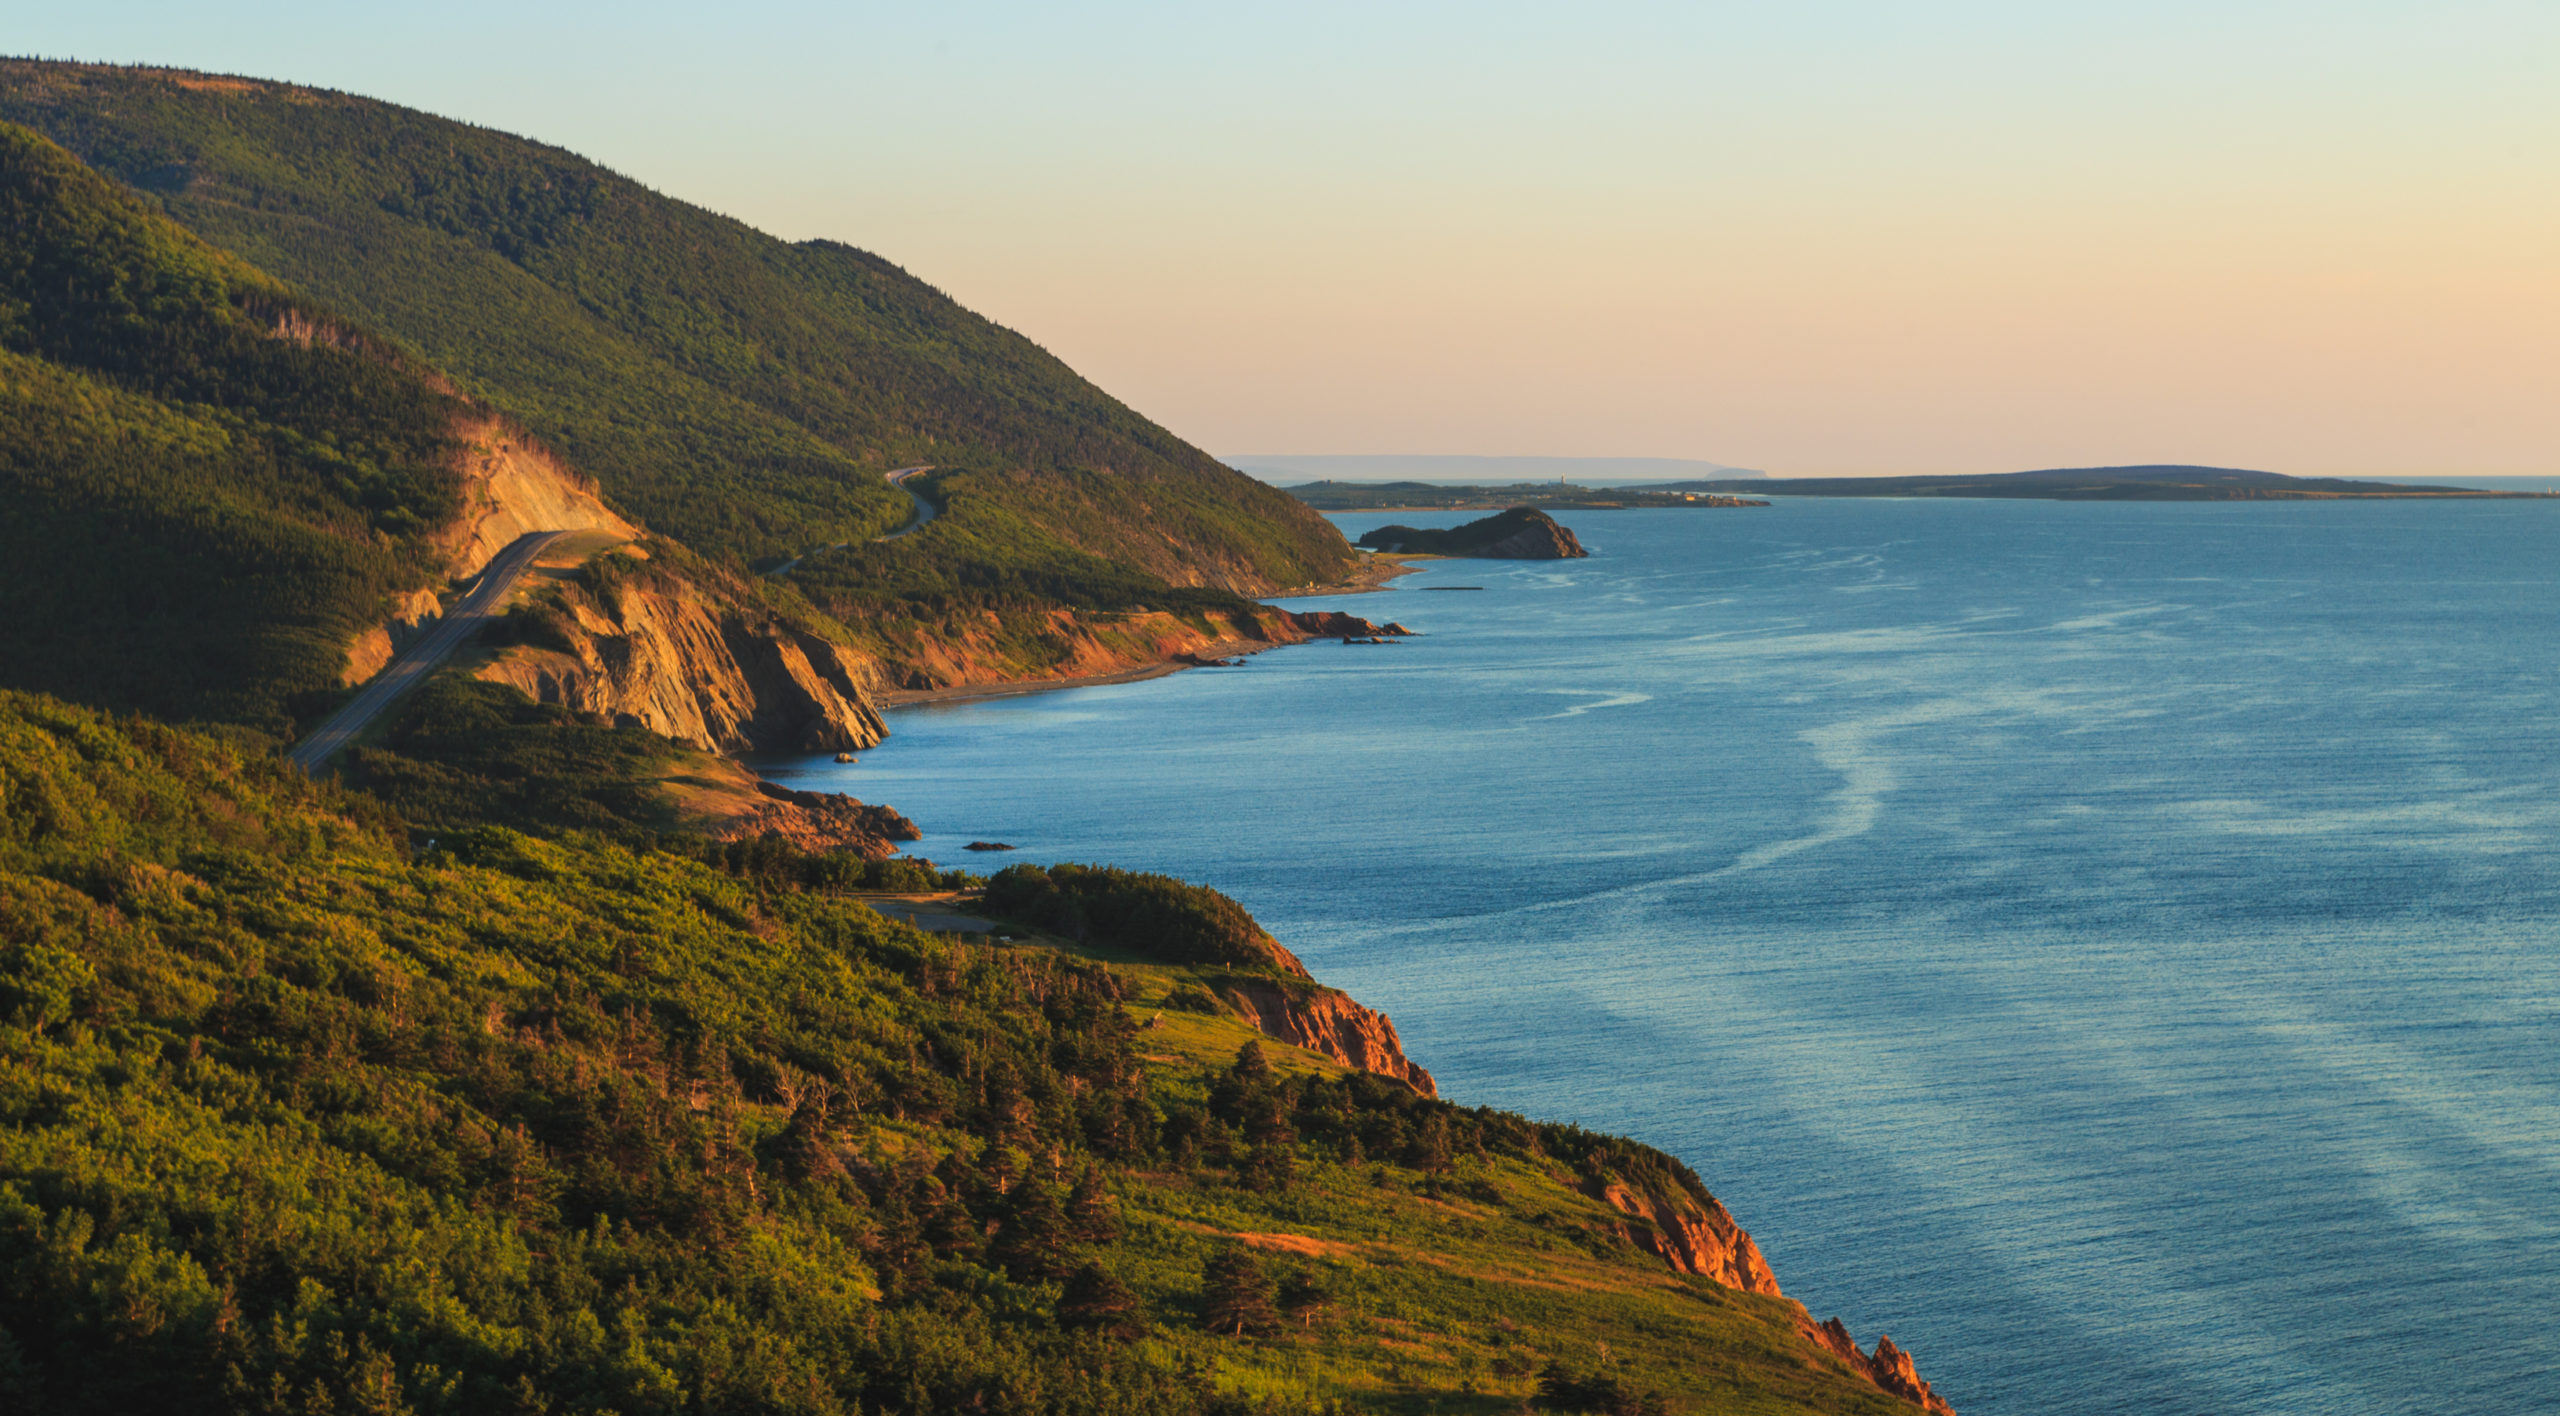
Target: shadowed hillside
x=207, y=483
x=740, y=393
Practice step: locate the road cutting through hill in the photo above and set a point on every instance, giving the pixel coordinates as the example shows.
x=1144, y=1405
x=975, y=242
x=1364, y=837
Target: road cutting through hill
x=413, y=664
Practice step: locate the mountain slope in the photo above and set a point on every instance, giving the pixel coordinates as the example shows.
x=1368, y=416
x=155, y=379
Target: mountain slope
x=208, y=485
x=740, y=393
x=292, y=1118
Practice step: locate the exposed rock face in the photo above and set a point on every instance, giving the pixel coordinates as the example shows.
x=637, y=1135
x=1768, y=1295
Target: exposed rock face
x=1324, y=1020
x=985, y=649
x=1522, y=533
x=375, y=647
x=1690, y=1236
x=704, y=669
x=821, y=821
x=512, y=485
x=1889, y=1367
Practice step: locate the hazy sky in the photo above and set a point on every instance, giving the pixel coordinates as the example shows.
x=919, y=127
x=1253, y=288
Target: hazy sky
x=1811, y=237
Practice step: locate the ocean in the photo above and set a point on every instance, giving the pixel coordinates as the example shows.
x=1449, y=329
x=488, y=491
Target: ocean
x=2113, y=948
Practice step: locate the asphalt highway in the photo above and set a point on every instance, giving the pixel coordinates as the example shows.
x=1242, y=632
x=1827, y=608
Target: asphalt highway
x=413, y=664
x=924, y=509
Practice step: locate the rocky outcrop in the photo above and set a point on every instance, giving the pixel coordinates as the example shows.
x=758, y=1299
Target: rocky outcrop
x=820, y=821
x=512, y=485
x=1690, y=1235
x=1325, y=1020
x=703, y=667
x=374, y=648
x=986, y=648
x=1889, y=1367
x=1522, y=533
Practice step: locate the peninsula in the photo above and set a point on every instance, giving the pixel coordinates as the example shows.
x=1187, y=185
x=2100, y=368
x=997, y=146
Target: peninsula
x=527, y=1052
x=1559, y=496
x=2145, y=483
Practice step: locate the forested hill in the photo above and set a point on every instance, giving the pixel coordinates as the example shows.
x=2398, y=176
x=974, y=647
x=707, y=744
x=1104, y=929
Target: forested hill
x=738, y=392
x=207, y=483
x=295, y=1118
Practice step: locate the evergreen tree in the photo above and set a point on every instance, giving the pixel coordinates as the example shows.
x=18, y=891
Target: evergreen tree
x=1093, y=1215
x=1096, y=1301
x=1304, y=1298
x=1033, y=1241
x=1428, y=1151
x=1235, y=1294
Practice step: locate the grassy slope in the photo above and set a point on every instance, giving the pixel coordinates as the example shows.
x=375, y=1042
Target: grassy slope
x=740, y=393
x=196, y=515
x=291, y=1119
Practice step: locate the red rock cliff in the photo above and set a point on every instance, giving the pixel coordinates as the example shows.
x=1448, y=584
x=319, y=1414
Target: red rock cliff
x=1690, y=1236
x=1889, y=1367
x=1325, y=1020
x=697, y=662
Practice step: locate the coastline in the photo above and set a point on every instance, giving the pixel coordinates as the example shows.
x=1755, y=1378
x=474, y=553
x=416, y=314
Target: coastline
x=1375, y=570
x=969, y=692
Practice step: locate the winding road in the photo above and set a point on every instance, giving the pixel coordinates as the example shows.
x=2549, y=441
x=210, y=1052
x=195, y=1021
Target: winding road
x=897, y=479
x=924, y=509
x=413, y=664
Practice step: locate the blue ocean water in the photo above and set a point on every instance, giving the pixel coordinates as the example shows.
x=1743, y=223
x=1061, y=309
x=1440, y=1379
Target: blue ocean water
x=2113, y=948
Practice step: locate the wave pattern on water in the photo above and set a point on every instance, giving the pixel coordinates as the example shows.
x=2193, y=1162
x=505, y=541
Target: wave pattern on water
x=2112, y=948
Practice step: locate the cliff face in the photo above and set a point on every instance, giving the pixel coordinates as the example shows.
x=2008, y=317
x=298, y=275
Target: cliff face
x=1697, y=1235
x=705, y=668
x=1324, y=1020
x=512, y=485
x=1690, y=1236
x=985, y=649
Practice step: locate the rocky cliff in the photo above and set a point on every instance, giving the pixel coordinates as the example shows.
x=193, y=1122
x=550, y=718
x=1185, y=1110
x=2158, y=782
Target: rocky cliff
x=1326, y=1020
x=984, y=649
x=1522, y=533
x=1690, y=1235
x=1889, y=1367
x=692, y=656
x=820, y=821
x=512, y=485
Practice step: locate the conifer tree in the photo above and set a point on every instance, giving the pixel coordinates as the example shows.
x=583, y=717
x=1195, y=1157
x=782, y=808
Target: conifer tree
x=1093, y=1215
x=1096, y=1301
x=1304, y=1298
x=1033, y=1242
x=1235, y=1294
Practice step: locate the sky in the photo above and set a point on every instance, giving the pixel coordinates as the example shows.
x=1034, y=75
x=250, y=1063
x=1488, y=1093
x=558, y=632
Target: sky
x=1826, y=237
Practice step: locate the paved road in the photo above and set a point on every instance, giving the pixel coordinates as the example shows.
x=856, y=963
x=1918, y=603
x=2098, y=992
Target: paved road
x=414, y=664
x=897, y=479
x=924, y=509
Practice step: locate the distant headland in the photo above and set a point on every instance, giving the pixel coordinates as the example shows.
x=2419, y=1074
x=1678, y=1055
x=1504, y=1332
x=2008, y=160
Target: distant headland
x=2145, y=483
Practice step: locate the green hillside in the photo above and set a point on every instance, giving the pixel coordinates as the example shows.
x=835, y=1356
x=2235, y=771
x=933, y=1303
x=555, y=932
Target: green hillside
x=207, y=483
x=295, y=1119
x=738, y=392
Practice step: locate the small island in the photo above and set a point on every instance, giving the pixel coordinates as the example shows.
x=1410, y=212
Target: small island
x=1522, y=533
